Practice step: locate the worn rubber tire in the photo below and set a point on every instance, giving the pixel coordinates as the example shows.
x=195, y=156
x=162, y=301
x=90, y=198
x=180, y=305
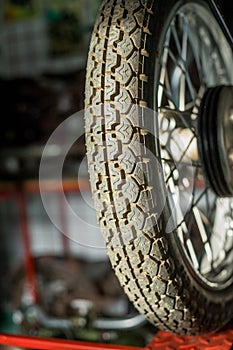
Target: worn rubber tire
x=127, y=186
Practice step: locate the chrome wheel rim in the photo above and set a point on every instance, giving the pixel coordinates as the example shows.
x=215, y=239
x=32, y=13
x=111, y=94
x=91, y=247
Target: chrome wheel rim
x=195, y=56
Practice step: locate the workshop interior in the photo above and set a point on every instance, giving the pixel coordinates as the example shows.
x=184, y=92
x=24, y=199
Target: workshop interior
x=53, y=283
x=56, y=280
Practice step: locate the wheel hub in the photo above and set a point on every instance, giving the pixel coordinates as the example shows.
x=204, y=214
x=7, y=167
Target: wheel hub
x=215, y=141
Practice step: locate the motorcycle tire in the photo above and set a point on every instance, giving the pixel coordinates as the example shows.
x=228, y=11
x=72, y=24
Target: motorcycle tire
x=126, y=90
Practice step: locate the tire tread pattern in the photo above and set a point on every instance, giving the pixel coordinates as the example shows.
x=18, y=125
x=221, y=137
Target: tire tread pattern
x=118, y=162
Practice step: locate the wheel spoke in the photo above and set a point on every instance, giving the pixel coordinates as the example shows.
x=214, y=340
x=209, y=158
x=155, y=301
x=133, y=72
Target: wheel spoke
x=175, y=36
x=183, y=57
x=163, y=69
x=203, y=234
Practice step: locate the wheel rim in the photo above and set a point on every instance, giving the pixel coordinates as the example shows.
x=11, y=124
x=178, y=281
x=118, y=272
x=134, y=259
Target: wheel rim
x=195, y=56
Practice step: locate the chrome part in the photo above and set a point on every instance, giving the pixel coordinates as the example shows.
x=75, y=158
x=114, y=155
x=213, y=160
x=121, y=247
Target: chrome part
x=131, y=322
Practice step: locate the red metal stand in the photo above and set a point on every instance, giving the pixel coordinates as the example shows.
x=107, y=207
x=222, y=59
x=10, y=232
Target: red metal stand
x=28, y=258
x=166, y=341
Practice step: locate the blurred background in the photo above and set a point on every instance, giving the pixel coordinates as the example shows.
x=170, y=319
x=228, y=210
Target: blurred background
x=51, y=285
